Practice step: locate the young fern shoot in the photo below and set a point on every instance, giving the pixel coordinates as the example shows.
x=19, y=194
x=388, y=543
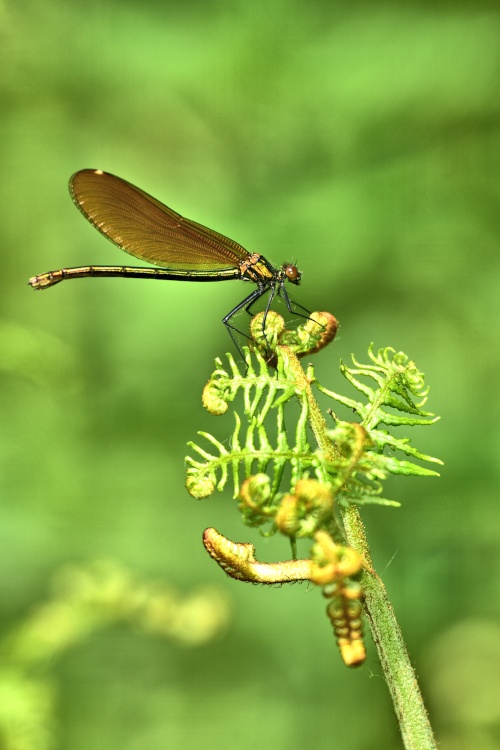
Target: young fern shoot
x=327, y=478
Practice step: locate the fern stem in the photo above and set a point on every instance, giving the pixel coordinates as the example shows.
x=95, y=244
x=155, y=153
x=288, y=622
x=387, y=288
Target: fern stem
x=399, y=674
x=316, y=418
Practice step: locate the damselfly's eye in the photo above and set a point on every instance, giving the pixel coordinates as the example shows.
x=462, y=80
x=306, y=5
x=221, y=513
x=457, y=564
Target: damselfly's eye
x=292, y=273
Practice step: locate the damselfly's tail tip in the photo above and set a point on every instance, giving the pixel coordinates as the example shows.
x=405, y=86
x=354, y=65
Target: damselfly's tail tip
x=43, y=281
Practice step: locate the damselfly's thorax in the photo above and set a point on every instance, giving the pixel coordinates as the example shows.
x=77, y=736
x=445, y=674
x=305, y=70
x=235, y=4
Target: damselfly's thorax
x=257, y=269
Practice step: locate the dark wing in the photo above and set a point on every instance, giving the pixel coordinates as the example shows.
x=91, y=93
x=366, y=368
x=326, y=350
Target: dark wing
x=147, y=229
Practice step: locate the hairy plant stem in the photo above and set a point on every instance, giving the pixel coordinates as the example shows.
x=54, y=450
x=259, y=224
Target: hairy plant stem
x=398, y=672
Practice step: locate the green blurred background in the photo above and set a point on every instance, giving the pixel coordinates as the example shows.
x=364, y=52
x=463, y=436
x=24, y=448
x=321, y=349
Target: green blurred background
x=361, y=140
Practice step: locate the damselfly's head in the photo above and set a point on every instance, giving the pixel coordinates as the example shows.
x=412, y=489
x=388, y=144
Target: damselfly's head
x=291, y=273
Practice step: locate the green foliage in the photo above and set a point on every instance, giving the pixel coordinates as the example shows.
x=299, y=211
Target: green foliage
x=255, y=452
x=362, y=454
x=397, y=380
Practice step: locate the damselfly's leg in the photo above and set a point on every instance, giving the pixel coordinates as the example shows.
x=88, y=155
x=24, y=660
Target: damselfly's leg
x=246, y=303
x=292, y=305
x=253, y=300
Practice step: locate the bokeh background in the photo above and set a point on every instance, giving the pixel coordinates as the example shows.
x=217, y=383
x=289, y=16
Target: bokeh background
x=361, y=140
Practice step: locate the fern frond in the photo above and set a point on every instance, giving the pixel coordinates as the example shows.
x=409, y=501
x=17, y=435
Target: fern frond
x=254, y=381
x=363, y=453
x=347, y=467
x=397, y=379
x=258, y=454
